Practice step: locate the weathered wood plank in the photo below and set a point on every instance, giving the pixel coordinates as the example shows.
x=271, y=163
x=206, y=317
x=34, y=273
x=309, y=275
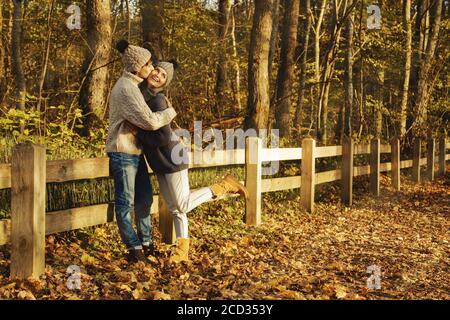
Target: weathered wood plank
x=347, y=171
x=415, y=175
x=385, y=148
x=5, y=231
x=328, y=176
x=441, y=171
x=362, y=149
x=375, y=166
x=70, y=170
x=361, y=171
x=329, y=151
x=5, y=176
x=216, y=158
x=77, y=218
x=28, y=211
x=395, y=163
x=281, y=154
x=308, y=174
x=279, y=184
x=430, y=159
x=406, y=164
x=253, y=180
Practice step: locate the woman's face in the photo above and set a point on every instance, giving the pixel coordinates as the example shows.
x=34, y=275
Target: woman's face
x=157, y=78
x=145, y=70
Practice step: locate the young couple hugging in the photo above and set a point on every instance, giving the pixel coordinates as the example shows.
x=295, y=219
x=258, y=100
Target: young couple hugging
x=139, y=125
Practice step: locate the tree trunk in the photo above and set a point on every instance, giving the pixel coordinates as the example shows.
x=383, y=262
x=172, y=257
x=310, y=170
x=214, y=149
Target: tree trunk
x=407, y=69
x=286, y=67
x=327, y=74
x=418, y=37
x=222, y=82
x=237, y=73
x=2, y=50
x=152, y=26
x=317, y=70
x=274, y=34
x=46, y=55
x=93, y=92
x=16, y=50
x=349, y=75
x=360, y=91
x=378, y=112
x=7, y=41
x=258, y=66
x=304, y=59
x=424, y=86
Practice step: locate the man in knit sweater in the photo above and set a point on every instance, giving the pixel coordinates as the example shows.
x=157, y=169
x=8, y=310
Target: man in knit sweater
x=128, y=111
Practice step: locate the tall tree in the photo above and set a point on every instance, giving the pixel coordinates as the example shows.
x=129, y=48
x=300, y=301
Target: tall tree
x=2, y=49
x=286, y=67
x=152, y=25
x=327, y=72
x=303, y=60
x=425, y=81
x=94, y=89
x=237, y=73
x=407, y=68
x=317, y=70
x=349, y=74
x=222, y=80
x=359, y=92
x=45, y=55
x=258, y=66
x=274, y=34
x=16, y=50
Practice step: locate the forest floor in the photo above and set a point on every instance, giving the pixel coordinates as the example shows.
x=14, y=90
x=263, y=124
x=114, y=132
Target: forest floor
x=292, y=255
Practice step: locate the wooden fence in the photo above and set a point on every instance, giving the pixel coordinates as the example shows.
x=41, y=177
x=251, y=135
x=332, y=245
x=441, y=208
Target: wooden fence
x=29, y=172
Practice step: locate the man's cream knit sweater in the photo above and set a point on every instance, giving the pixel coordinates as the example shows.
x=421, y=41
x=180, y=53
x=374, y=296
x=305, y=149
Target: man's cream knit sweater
x=128, y=110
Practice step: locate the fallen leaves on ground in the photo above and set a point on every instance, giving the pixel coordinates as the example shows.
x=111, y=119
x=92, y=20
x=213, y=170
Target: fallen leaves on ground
x=292, y=255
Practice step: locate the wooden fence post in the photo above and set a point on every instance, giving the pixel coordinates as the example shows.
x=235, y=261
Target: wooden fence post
x=395, y=163
x=166, y=226
x=347, y=171
x=430, y=159
x=416, y=160
x=308, y=175
x=375, y=166
x=253, y=182
x=28, y=169
x=442, y=156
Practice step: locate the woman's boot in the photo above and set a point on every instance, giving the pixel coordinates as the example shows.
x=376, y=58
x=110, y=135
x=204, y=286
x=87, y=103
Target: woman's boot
x=181, y=251
x=228, y=185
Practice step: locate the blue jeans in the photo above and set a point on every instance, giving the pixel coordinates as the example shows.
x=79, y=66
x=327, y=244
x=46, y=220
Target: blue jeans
x=132, y=188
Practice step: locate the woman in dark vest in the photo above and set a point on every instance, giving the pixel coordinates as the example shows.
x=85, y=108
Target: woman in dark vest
x=168, y=159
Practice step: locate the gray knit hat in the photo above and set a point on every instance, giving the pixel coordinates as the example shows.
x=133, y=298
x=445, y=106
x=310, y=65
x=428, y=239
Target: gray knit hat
x=133, y=57
x=169, y=67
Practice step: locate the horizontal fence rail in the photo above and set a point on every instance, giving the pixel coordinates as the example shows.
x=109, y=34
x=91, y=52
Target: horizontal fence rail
x=28, y=218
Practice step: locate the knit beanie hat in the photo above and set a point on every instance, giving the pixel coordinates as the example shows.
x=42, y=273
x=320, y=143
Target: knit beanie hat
x=133, y=57
x=170, y=67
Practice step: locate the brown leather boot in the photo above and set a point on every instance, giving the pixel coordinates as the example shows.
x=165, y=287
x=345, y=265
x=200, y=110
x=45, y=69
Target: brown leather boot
x=135, y=255
x=181, y=251
x=228, y=185
x=149, y=250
